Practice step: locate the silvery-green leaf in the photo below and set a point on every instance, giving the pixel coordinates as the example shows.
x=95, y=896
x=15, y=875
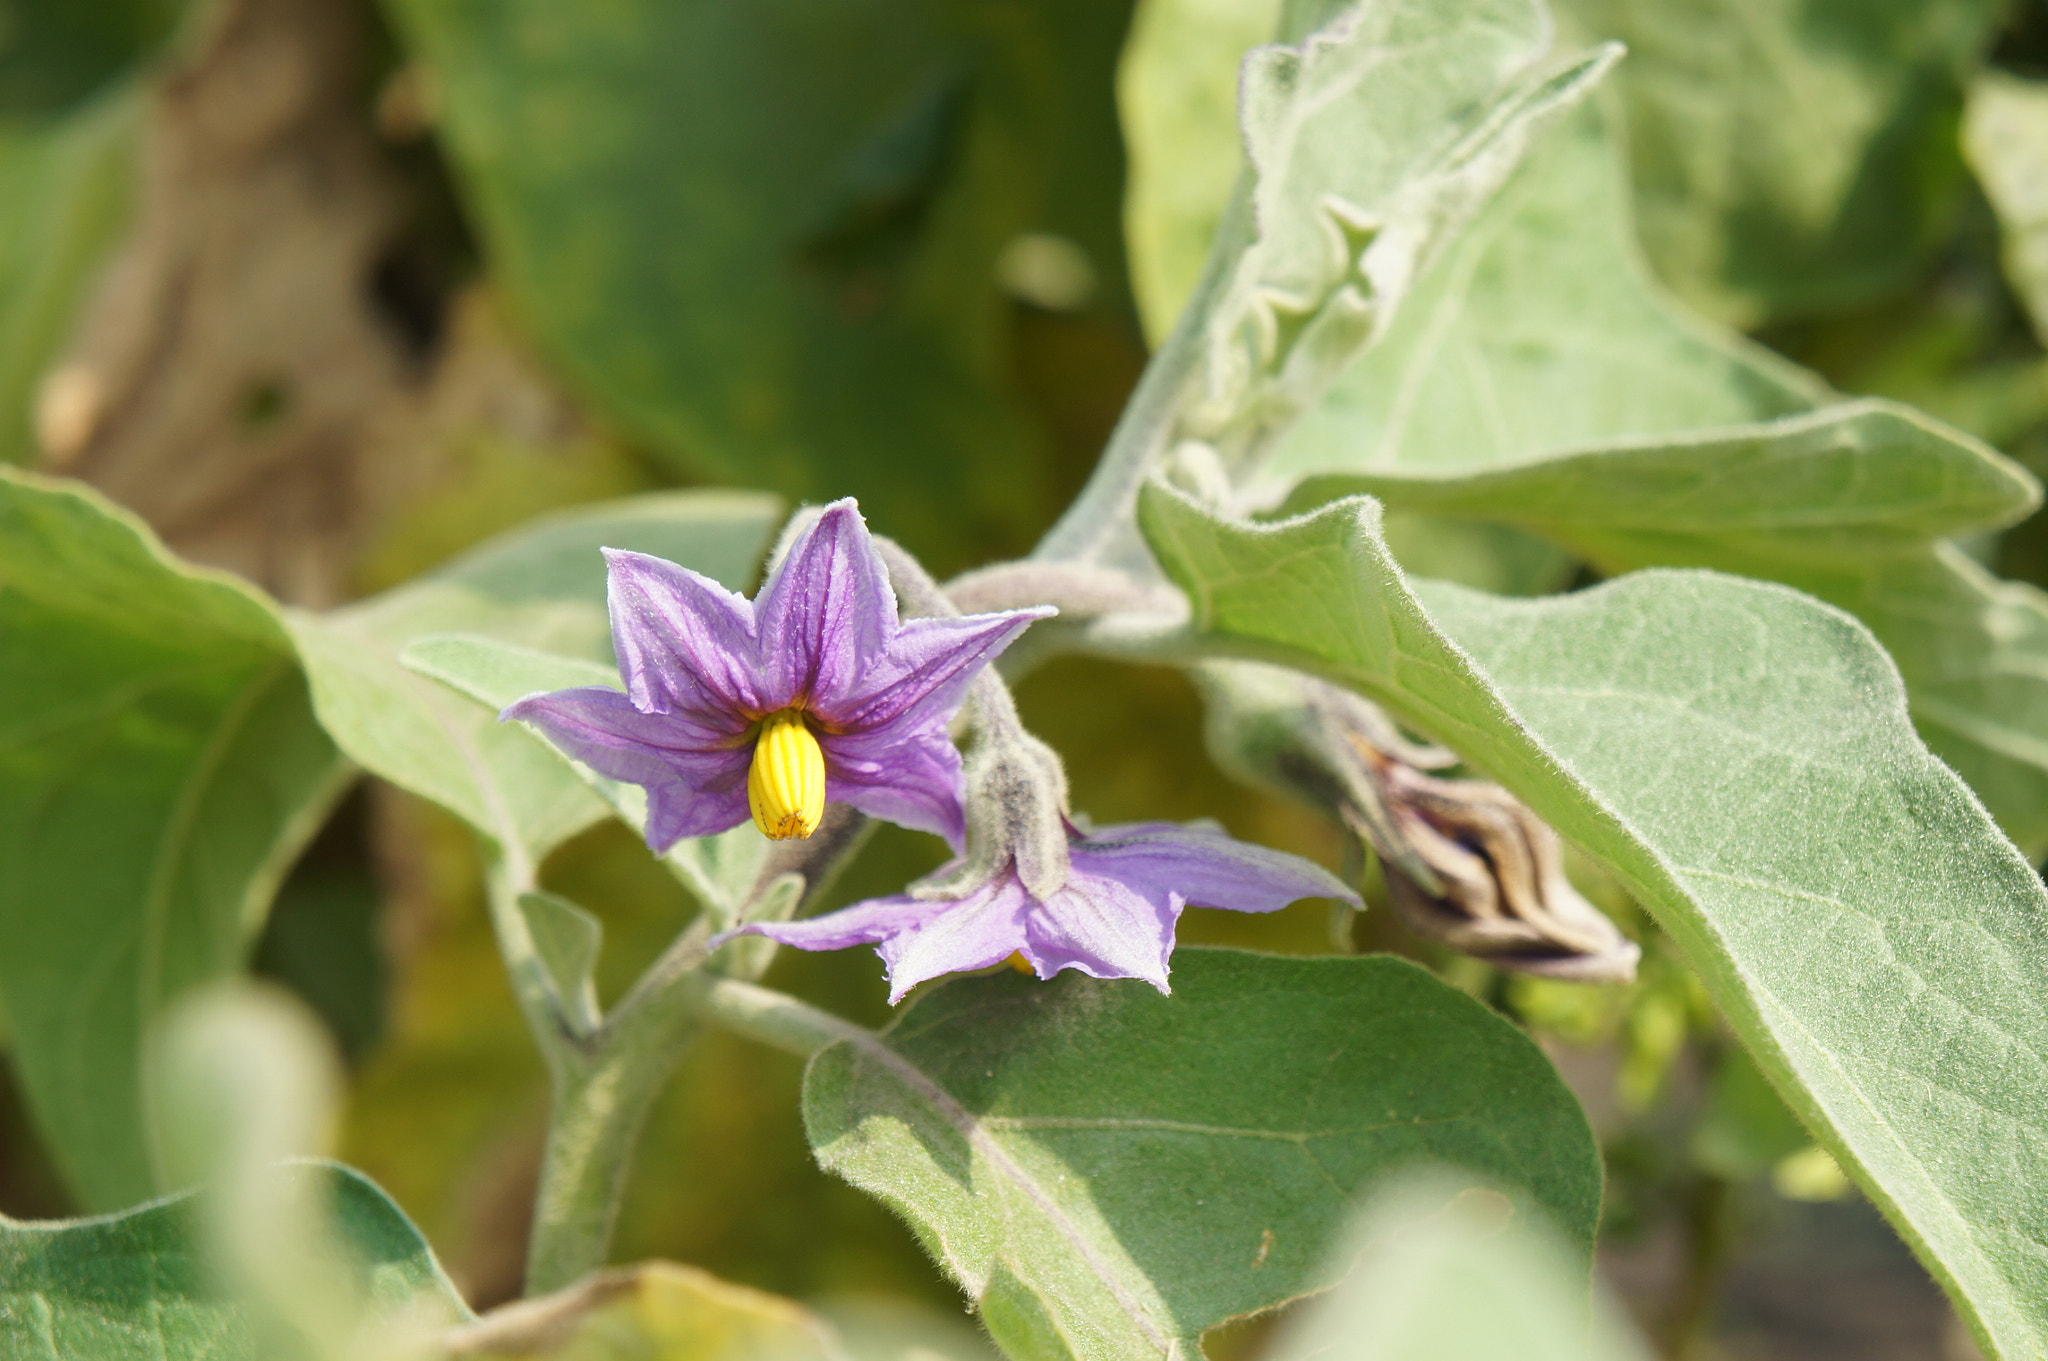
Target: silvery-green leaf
x=1369, y=143
x=1109, y=1172
x=160, y=769
x=1538, y=351
x=135, y=1286
x=1740, y=757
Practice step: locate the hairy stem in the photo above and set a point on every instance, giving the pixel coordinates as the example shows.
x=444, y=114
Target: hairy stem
x=769, y=1017
x=599, y=1109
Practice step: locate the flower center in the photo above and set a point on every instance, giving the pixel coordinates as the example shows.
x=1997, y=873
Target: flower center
x=786, y=783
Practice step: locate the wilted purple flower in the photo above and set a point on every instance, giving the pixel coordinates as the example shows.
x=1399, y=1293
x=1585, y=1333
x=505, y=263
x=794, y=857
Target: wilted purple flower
x=813, y=690
x=1113, y=918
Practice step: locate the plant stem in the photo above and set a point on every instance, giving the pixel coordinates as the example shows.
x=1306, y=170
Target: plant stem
x=598, y=1111
x=769, y=1017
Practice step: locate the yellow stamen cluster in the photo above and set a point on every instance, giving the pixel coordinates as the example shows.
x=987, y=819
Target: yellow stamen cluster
x=786, y=783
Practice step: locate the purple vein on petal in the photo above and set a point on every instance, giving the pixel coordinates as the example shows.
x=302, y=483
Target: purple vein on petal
x=1206, y=868
x=925, y=673
x=684, y=642
x=827, y=611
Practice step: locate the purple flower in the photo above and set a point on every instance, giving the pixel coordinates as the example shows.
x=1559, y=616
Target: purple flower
x=813, y=690
x=1113, y=918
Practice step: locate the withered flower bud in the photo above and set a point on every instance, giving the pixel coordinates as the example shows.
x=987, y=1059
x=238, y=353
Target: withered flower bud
x=1466, y=863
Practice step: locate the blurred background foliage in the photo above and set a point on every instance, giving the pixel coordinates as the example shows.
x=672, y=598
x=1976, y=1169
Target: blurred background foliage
x=328, y=291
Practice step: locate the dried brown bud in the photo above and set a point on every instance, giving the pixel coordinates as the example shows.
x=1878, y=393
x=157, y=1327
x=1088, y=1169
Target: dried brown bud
x=1467, y=864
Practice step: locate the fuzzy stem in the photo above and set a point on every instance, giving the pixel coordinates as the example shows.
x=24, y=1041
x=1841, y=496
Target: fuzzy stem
x=599, y=1109
x=769, y=1017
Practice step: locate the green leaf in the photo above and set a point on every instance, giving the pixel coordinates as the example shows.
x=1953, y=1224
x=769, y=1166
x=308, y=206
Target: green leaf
x=1791, y=158
x=1539, y=330
x=766, y=237
x=161, y=764
x=1437, y=1271
x=721, y=871
x=2005, y=132
x=542, y=585
x=66, y=187
x=1337, y=221
x=134, y=1285
x=1856, y=480
x=654, y=1311
x=1845, y=504
x=1540, y=343
x=1108, y=1172
x=160, y=769
x=1740, y=757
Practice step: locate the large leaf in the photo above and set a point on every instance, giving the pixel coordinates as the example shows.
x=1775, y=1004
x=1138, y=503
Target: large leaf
x=1370, y=143
x=1540, y=337
x=136, y=1285
x=160, y=768
x=161, y=763
x=766, y=236
x=1790, y=157
x=1108, y=1172
x=1741, y=758
x=542, y=585
x=1373, y=132
x=1539, y=330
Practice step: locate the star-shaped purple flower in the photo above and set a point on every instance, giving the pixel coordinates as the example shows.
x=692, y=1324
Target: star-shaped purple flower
x=814, y=690
x=1113, y=918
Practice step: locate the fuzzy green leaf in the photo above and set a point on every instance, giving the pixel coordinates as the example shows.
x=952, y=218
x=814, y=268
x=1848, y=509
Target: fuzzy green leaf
x=1108, y=1172
x=1740, y=756
x=1539, y=352
x=135, y=1287
x=160, y=768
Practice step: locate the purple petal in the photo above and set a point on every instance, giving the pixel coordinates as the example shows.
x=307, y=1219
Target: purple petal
x=984, y=928
x=909, y=778
x=867, y=923
x=684, y=642
x=695, y=782
x=1205, y=867
x=703, y=802
x=1104, y=929
x=929, y=664
x=827, y=613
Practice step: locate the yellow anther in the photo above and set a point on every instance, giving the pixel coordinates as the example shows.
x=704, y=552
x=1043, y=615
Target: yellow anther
x=786, y=784
x=1019, y=963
